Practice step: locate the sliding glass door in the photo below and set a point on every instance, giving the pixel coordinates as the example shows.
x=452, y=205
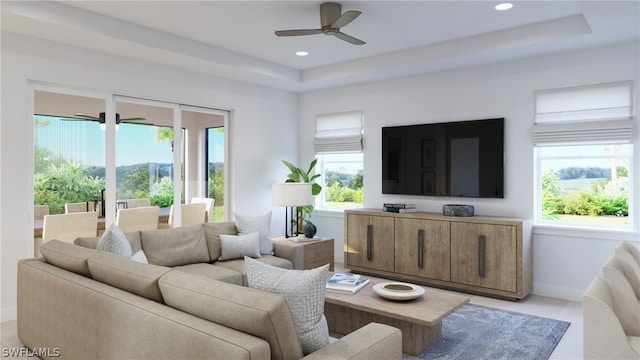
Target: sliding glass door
x=110, y=151
x=69, y=151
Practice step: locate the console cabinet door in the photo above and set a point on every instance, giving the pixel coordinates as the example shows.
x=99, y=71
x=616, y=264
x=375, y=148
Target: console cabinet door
x=484, y=255
x=369, y=242
x=423, y=248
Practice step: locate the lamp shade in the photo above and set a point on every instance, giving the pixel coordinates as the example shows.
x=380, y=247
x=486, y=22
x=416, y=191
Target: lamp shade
x=291, y=194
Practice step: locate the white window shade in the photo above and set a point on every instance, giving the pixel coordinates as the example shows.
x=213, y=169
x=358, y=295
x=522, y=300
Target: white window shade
x=584, y=103
x=592, y=113
x=339, y=132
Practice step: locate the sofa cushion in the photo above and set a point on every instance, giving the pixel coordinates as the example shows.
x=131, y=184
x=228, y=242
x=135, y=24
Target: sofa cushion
x=304, y=291
x=175, y=246
x=140, y=257
x=262, y=224
x=238, y=264
x=213, y=271
x=252, y=311
x=128, y=275
x=239, y=246
x=92, y=242
x=114, y=241
x=67, y=256
x=212, y=233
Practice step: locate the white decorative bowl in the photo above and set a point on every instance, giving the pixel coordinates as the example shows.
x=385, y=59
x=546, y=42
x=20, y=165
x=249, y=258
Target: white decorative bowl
x=398, y=290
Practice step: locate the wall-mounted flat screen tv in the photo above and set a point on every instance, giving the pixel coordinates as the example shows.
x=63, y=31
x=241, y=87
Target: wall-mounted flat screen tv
x=461, y=159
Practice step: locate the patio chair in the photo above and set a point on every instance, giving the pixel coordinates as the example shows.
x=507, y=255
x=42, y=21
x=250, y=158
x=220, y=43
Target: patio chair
x=67, y=227
x=209, y=208
x=191, y=214
x=76, y=207
x=39, y=211
x=137, y=219
x=135, y=203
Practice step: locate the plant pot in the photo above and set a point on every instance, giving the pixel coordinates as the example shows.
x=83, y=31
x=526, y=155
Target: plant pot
x=310, y=230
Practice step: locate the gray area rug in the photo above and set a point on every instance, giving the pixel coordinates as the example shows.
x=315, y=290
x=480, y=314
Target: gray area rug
x=479, y=332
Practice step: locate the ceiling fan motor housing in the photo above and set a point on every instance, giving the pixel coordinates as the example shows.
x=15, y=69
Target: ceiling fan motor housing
x=103, y=118
x=329, y=13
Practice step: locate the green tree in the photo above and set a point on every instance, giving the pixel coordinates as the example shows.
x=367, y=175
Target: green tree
x=65, y=183
x=357, y=181
x=550, y=195
x=135, y=183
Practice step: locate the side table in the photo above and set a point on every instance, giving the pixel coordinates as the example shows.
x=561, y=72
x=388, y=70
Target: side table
x=316, y=252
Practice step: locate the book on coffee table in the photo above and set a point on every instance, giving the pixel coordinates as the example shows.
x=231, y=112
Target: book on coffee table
x=346, y=283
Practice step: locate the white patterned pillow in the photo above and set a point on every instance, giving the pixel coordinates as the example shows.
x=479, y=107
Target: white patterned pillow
x=140, y=257
x=304, y=292
x=262, y=224
x=114, y=241
x=239, y=246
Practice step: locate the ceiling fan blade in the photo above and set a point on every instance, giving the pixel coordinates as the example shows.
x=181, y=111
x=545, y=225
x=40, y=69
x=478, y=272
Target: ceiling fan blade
x=133, y=119
x=86, y=117
x=298, y=32
x=349, y=39
x=345, y=19
x=134, y=122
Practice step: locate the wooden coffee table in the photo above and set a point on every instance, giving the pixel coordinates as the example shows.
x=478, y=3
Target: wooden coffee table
x=420, y=320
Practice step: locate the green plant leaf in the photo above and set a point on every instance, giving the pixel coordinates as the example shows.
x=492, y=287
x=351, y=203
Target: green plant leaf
x=312, y=165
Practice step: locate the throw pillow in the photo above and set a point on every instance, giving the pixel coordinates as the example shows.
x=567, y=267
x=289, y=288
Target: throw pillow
x=239, y=246
x=304, y=292
x=114, y=241
x=262, y=224
x=140, y=257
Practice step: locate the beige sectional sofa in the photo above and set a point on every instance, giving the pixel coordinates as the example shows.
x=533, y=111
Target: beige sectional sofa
x=82, y=303
x=611, y=308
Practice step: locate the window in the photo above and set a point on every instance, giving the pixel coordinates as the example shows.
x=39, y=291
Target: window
x=215, y=170
x=338, y=146
x=584, y=154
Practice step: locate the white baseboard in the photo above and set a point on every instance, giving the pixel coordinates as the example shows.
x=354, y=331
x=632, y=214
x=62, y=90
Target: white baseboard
x=9, y=314
x=557, y=292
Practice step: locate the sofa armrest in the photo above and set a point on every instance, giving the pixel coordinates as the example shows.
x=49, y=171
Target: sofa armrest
x=291, y=251
x=372, y=341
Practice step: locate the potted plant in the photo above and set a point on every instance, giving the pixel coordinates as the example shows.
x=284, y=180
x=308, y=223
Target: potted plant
x=299, y=175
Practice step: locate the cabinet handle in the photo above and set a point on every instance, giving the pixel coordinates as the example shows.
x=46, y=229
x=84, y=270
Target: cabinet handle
x=482, y=245
x=369, y=242
x=421, y=249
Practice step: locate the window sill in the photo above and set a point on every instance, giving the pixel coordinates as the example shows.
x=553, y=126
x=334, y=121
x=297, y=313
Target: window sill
x=585, y=232
x=329, y=213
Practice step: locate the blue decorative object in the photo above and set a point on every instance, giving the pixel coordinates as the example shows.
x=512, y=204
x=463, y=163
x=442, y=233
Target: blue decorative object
x=310, y=230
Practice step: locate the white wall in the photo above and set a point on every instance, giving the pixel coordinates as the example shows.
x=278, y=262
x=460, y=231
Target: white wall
x=263, y=130
x=564, y=261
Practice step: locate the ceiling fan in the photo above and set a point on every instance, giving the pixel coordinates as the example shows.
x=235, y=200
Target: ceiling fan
x=102, y=118
x=331, y=19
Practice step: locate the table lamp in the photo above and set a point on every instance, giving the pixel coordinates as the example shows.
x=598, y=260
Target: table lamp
x=291, y=195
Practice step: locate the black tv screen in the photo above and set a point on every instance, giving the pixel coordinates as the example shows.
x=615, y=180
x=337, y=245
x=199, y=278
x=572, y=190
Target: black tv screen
x=462, y=159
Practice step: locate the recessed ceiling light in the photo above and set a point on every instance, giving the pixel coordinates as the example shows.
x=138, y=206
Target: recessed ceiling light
x=504, y=6
x=302, y=53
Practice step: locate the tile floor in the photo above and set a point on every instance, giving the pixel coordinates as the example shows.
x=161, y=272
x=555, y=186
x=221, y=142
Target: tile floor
x=570, y=347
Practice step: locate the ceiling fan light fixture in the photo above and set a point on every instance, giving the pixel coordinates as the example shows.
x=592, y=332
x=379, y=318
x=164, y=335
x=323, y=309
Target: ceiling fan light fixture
x=302, y=53
x=504, y=6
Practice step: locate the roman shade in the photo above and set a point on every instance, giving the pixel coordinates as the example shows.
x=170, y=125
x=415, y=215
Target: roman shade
x=583, y=114
x=338, y=132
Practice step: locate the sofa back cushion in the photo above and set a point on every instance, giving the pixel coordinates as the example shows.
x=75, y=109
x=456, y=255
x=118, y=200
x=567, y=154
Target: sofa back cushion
x=252, y=311
x=134, y=277
x=92, y=242
x=212, y=233
x=67, y=256
x=175, y=246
